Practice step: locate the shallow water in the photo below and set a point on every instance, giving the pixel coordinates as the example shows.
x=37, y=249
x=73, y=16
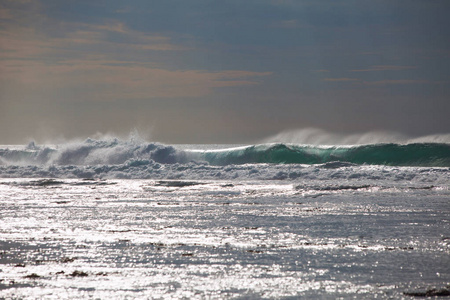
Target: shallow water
x=196, y=239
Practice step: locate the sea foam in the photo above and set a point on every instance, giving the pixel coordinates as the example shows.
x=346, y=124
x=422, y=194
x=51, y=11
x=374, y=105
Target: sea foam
x=115, y=158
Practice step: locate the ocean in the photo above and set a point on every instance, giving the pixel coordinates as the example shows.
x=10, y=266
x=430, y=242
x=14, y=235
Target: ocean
x=110, y=218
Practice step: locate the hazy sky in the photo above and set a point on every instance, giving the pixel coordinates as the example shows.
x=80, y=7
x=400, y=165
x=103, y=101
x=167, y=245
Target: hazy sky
x=202, y=71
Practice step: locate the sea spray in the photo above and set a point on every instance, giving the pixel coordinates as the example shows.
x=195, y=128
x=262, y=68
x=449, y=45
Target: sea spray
x=315, y=136
x=115, y=151
x=115, y=158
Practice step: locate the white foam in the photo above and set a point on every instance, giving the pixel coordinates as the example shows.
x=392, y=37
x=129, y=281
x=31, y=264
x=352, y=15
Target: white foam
x=135, y=158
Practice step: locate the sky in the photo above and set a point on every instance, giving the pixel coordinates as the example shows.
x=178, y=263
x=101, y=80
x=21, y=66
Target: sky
x=232, y=71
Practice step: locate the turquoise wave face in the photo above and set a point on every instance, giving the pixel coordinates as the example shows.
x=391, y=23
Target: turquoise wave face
x=418, y=154
x=114, y=152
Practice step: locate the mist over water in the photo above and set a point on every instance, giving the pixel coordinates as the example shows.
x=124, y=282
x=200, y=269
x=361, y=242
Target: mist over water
x=315, y=136
x=308, y=146
x=110, y=157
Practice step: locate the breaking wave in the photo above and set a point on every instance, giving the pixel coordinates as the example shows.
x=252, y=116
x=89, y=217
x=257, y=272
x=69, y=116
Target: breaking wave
x=92, y=152
x=417, y=154
x=115, y=151
x=114, y=158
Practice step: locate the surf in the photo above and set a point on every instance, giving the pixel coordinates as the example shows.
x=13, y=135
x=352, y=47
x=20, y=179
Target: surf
x=391, y=154
x=115, y=151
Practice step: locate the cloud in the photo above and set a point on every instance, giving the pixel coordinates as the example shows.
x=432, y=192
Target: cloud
x=384, y=68
x=114, y=80
x=27, y=43
x=5, y=14
x=384, y=82
x=107, y=61
x=289, y=24
x=343, y=79
x=397, y=81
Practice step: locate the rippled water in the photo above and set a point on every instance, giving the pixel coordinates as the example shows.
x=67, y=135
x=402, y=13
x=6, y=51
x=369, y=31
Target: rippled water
x=75, y=238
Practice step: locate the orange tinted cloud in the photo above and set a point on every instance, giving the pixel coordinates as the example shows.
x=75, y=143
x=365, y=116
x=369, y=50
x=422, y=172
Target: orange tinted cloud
x=87, y=64
x=109, y=80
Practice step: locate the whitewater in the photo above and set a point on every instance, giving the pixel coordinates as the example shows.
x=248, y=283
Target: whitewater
x=281, y=219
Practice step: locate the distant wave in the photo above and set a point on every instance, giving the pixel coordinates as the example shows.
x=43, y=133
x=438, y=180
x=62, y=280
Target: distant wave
x=416, y=154
x=115, y=151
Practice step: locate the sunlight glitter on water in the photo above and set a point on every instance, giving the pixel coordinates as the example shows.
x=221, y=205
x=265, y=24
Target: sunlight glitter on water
x=174, y=239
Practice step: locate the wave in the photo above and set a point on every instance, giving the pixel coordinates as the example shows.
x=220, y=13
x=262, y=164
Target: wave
x=115, y=152
x=92, y=152
x=133, y=159
x=415, y=154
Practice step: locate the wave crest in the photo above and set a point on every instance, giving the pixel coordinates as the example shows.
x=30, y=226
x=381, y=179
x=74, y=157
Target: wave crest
x=93, y=152
x=116, y=152
x=416, y=154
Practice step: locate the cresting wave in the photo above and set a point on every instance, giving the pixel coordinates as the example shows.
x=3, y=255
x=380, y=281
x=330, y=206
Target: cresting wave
x=92, y=152
x=417, y=154
x=114, y=152
x=136, y=159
